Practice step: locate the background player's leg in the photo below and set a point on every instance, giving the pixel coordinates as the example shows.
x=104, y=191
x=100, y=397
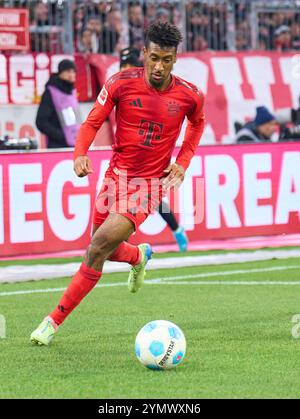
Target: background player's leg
x=178, y=231
x=114, y=230
x=166, y=213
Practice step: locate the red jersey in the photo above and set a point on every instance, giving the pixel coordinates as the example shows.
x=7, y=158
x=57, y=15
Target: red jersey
x=148, y=122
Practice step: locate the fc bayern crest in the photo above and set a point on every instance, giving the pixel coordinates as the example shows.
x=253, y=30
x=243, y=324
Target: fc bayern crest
x=173, y=108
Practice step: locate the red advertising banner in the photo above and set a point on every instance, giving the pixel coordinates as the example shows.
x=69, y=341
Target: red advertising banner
x=14, y=29
x=229, y=191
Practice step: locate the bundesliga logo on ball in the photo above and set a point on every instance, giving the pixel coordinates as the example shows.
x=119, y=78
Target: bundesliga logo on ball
x=160, y=345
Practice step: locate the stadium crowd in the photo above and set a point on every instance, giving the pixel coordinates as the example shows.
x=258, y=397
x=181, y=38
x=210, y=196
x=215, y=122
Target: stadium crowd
x=206, y=25
x=107, y=26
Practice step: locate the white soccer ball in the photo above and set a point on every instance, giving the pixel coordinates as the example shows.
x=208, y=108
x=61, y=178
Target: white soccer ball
x=160, y=345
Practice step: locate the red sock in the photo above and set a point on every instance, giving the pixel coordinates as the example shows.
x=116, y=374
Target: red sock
x=82, y=283
x=126, y=252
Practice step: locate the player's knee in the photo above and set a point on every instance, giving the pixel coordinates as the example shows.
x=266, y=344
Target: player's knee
x=101, y=246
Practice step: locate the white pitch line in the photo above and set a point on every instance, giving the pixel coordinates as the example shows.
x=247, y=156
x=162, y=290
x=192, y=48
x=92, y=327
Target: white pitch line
x=235, y=272
x=231, y=283
x=47, y=290
x=175, y=280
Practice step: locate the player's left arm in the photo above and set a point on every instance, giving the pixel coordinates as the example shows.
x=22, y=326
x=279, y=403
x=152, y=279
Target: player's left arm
x=193, y=133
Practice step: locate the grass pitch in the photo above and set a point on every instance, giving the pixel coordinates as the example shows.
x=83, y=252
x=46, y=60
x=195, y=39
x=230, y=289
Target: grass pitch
x=237, y=326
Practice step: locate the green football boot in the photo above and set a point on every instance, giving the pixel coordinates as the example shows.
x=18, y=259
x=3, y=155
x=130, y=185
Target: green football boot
x=44, y=333
x=137, y=272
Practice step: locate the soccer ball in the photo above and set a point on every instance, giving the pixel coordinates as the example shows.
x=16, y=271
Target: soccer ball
x=160, y=345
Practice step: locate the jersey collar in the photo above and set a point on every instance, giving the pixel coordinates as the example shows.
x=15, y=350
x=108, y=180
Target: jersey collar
x=160, y=92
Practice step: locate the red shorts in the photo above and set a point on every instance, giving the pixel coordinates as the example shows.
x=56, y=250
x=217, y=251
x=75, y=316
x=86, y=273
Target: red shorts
x=134, y=199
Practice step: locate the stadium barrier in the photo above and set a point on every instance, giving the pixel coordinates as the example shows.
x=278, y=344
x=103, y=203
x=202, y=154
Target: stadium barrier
x=248, y=190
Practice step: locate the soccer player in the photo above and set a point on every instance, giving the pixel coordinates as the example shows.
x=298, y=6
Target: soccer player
x=129, y=57
x=151, y=105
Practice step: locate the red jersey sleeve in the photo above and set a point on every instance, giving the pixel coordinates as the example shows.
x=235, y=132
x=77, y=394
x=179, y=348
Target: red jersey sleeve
x=104, y=104
x=193, y=133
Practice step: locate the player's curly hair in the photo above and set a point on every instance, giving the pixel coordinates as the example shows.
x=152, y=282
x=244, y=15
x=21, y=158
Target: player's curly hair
x=163, y=34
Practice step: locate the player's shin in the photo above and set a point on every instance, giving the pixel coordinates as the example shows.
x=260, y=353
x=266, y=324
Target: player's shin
x=82, y=283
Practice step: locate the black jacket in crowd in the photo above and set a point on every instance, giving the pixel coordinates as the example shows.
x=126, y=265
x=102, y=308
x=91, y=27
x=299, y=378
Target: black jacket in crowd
x=47, y=120
x=249, y=134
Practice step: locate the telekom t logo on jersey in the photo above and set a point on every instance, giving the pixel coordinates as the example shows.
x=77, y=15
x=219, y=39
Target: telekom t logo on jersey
x=150, y=131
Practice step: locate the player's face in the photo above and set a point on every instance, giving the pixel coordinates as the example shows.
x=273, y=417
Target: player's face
x=159, y=64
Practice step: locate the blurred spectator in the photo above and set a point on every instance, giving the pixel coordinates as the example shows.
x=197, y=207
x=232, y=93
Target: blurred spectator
x=260, y=129
x=46, y=27
x=136, y=25
x=278, y=19
x=41, y=14
x=241, y=12
x=219, y=28
x=176, y=17
x=111, y=33
x=114, y=21
x=163, y=15
x=150, y=15
x=58, y=114
x=103, y=8
x=78, y=22
x=85, y=44
x=241, y=42
x=40, y=40
x=264, y=37
x=208, y=22
x=295, y=33
x=108, y=41
x=242, y=36
x=199, y=43
x=282, y=38
x=92, y=9
x=262, y=43
x=198, y=24
x=95, y=26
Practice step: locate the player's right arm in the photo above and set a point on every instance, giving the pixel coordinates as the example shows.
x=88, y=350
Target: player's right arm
x=103, y=106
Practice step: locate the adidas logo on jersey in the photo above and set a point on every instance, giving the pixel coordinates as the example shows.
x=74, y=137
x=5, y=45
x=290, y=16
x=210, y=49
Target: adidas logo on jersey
x=136, y=103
